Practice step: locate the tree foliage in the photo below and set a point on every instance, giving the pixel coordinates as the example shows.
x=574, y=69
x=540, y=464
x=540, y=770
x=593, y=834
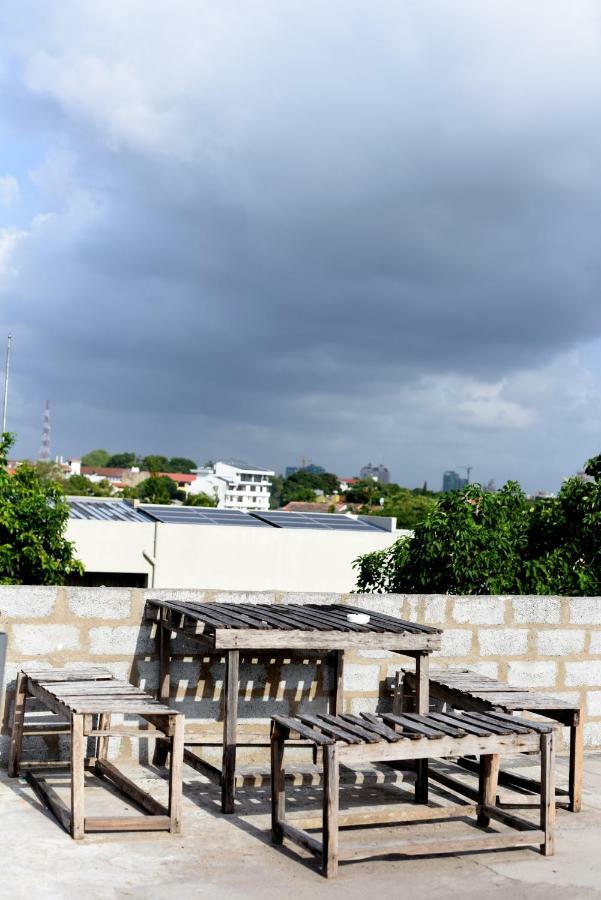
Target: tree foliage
x=155, y=463
x=80, y=486
x=122, y=460
x=200, y=499
x=181, y=464
x=302, y=486
x=157, y=489
x=477, y=542
x=33, y=519
x=96, y=458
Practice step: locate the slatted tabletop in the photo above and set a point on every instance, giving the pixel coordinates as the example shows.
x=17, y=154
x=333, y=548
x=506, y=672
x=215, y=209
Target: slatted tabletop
x=312, y=625
x=370, y=728
x=495, y=693
x=94, y=694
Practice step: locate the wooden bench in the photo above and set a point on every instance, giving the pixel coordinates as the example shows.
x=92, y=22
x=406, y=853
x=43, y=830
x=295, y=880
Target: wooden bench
x=464, y=689
x=83, y=701
x=395, y=738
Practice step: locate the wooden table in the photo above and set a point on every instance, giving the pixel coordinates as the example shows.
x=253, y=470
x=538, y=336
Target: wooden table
x=230, y=628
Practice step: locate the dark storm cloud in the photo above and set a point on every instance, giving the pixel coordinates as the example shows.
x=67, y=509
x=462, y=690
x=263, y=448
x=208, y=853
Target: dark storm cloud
x=275, y=238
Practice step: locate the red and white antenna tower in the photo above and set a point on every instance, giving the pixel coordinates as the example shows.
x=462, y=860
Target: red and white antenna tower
x=44, y=455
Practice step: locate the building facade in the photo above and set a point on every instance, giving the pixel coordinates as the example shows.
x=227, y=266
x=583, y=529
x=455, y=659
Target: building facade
x=451, y=481
x=377, y=473
x=235, y=484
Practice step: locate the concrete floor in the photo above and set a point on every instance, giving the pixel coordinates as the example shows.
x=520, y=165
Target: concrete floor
x=231, y=857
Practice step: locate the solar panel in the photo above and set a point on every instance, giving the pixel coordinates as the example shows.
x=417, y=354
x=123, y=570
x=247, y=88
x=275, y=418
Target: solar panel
x=105, y=511
x=327, y=521
x=201, y=515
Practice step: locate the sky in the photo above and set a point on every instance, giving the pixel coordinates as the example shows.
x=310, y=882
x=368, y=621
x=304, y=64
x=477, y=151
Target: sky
x=286, y=229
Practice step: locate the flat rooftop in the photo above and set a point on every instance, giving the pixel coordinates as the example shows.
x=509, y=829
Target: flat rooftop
x=231, y=856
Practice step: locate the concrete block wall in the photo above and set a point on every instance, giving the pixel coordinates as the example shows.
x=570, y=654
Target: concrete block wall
x=551, y=643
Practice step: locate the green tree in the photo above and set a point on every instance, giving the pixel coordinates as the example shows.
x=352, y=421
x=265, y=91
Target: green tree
x=33, y=520
x=200, y=500
x=47, y=470
x=95, y=458
x=155, y=463
x=122, y=460
x=477, y=542
x=80, y=486
x=181, y=464
x=157, y=489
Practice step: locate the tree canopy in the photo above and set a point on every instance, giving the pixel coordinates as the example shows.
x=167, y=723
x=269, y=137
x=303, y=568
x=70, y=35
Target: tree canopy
x=477, y=542
x=200, y=499
x=157, y=489
x=33, y=520
x=95, y=458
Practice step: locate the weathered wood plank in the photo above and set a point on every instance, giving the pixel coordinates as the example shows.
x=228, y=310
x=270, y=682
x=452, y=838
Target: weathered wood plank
x=430, y=846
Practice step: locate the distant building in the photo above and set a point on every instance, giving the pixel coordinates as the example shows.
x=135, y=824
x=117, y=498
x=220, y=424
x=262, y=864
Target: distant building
x=310, y=469
x=451, y=481
x=377, y=473
x=235, y=484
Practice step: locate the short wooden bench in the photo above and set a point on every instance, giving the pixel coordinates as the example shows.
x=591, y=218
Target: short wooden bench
x=464, y=689
x=83, y=701
x=395, y=738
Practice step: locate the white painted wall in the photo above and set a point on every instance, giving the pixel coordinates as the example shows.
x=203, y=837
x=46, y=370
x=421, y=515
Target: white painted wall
x=226, y=557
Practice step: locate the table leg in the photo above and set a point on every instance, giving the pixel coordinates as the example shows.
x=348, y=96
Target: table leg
x=164, y=641
x=576, y=752
x=230, y=720
x=329, y=859
x=278, y=787
x=422, y=705
x=78, y=750
x=16, y=741
x=337, y=704
x=547, y=793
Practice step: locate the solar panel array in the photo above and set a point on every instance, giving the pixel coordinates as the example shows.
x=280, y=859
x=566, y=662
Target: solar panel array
x=106, y=510
x=118, y=511
x=327, y=521
x=201, y=515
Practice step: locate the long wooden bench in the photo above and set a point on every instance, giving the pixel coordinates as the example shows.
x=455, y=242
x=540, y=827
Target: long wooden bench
x=396, y=738
x=462, y=688
x=82, y=703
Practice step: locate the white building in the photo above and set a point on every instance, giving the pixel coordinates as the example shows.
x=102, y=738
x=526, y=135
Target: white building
x=235, y=484
x=145, y=545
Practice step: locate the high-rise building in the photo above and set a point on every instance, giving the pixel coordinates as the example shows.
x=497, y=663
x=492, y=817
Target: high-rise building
x=451, y=481
x=310, y=469
x=378, y=473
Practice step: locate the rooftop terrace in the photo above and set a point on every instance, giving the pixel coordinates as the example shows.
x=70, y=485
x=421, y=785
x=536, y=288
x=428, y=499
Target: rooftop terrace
x=231, y=857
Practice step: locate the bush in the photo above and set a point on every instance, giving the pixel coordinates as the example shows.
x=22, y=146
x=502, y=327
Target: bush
x=477, y=542
x=33, y=519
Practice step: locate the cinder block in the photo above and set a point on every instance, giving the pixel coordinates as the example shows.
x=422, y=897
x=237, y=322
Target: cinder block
x=593, y=703
x=455, y=642
x=592, y=735
x=38, y=640
x=586, y=672
x=100, y=603
x=124, y=640
x=251, y=597
x=532, y=674
x=503, y=641
x=435, y=610
x=389, y=604
x=360, y=705
x=595, y=644
x=361, y=678
x=375, y=654
x=479, y=610
x=490, y=669
x=27, y=602
x=585, y=610
x=541, y=610
x=560, y=642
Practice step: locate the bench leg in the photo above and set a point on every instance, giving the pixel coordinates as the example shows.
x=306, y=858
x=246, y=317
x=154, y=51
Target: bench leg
x=16, y=740
x=175, y=774
x=278, y=787
x=547, y=792
x=77, y=777
x=164, y=640
x=230, y=721
x=487, y=786
x=329, y=859
x=576, y=756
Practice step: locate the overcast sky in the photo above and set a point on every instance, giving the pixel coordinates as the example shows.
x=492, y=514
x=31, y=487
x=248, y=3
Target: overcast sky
x=344, y=231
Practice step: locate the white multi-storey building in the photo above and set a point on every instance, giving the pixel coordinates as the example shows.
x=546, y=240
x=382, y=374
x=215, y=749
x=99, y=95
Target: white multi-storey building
x=235, y=484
